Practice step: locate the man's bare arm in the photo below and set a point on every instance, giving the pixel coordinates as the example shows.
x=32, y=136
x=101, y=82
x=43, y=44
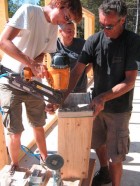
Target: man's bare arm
x=116, y=91
x=74, y=77
x=7, y=46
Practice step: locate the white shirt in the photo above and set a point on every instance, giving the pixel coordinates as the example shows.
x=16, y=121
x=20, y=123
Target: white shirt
x=36, y=36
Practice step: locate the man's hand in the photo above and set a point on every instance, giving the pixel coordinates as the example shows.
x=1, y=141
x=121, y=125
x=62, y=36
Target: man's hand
x=37, y=66
x=97, y=105
x=51, y=108
x=36, y=69
x=39, y=59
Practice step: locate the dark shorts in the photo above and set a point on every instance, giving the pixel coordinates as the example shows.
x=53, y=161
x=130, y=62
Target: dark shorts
x=11, y=103
x=113, y=130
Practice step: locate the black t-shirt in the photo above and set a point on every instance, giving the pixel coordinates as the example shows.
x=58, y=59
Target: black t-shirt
x=110, y=59
x=73, y=52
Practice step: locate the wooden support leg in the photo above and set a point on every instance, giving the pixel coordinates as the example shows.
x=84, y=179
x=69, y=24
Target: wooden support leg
x=88, y=181
x=3, y=149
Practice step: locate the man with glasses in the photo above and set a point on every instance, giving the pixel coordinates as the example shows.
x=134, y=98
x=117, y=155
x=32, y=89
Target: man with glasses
x=29, y=34
x=113, y=53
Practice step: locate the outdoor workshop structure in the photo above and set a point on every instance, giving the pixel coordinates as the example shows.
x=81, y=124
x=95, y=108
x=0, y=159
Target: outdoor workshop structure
x=89, y=26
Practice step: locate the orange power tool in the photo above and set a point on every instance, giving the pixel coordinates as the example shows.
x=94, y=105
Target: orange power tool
x=57, y=76
x=58, y=73
x=32, y=87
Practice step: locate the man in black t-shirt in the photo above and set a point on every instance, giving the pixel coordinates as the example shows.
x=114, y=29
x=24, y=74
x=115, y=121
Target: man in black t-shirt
x=113, y=53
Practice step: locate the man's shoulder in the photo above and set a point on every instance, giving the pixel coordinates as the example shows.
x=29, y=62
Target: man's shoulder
x=24, y=15
x=97, y=34
x=130, y=35
x=78, y=40
x=29, y=7
x=95, y=39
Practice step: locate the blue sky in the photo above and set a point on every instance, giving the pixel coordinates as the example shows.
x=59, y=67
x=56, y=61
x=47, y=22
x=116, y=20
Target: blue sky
x=29, y=1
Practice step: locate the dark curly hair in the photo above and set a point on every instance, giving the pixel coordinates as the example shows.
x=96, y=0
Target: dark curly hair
x=117, y=6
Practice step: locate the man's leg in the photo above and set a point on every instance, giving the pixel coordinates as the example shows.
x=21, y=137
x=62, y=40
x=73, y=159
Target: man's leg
x=14, y=147
x=116, y=173
x=103, y=175
x=115, y=169
x=40, y=141
x=98, y=143
x=102, y=156
x=35, y=109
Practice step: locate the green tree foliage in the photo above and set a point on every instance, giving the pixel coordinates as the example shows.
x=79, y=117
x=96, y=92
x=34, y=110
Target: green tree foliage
x=41, y=3
x=133, y=19
x=12, y=7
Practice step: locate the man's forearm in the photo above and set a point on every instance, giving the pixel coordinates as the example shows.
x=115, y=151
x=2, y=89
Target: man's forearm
x=74, y=77
x=121, y=88
x=117, y=91
x=98, y=102
x=10, y=49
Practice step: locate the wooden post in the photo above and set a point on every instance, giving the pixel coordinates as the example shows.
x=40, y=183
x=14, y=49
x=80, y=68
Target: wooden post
x=74, y=135
x=47, y=2
x=89, y=23
x=3, y=14
x=3, y=17
x=3, y=149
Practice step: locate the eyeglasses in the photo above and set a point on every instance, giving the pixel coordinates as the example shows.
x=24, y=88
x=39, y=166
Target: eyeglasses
x=66, y=17
x=108, y=27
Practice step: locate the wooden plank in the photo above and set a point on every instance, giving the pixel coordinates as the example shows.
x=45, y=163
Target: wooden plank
x=88, y=181
x=3, y=14
x=3, y=17
x=74, y=136
x=74, y=140
x=3, y=149
x=89, y=22
x=30, y=141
